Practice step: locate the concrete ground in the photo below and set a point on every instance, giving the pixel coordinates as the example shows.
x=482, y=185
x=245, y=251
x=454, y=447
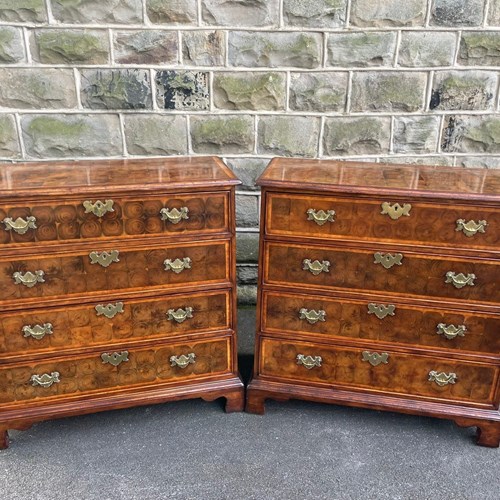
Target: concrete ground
x=298, y=450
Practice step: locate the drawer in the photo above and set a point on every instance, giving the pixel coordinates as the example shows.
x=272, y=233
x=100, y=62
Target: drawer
x=107, y=323
x=368, y=220
x=406, y=374
x=94, y=219
x=115, y=268
x=387, y=321
x=82, y=375
x=406, y=273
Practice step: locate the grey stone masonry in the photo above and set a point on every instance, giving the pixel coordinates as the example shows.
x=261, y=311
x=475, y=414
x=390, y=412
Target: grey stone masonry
x=266, y=91
x=393, y=81
x=11, y=45
x=69, y=136
x=300, y=50
x=63, y=46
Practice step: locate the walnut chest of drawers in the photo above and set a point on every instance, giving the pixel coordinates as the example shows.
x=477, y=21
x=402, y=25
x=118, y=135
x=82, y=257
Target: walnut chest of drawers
x=379, y=287
x=117, y=283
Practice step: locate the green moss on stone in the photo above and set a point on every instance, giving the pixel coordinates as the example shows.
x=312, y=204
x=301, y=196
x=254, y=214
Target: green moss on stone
x=220, y=131
x=6, y=37
x=487, y=132
x=23, y=10
x=47, y=126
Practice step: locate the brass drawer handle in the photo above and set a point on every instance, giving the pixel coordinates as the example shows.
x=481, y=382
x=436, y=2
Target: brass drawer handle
x=442, y=378
x=312, y=316
x=374, y=358
x=114, y=358
x=104, y=259
x=177, y=265
x=471, y=228
x=20, y=226
x=37, y=331
x=316, y=267
x=308, y=361
x=388, y=260
x=180, y=315
x=381, y=310
x=45, y=380
x=451, y=331
x=99, y=208
x=320, y=216
x=460, y=280
x=175, y=215
x=29, y=279
x=109, y=310
x=183, y=360
x=395, y=211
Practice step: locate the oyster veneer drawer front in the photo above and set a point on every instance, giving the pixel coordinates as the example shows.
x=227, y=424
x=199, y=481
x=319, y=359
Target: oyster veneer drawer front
x=376, y=370
x=52, y=330
x=112, y=217
x=114, y=268
x=405, y=272
x=383, y=219
x=387, y=321
x=114, y=369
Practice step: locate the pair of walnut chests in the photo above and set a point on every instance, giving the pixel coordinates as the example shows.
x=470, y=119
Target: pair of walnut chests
x=117, y=287
x=379, y=287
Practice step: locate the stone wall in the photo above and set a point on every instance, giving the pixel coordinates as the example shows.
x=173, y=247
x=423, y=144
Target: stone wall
x=384, y=80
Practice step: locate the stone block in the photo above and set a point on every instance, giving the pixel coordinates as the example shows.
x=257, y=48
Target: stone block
x=116, y=89
x=97, y=11
x=247, y=295
x=441, y=160
x=186, y=90
x=71, y=136
x=247, y=170
x=457, y=13
x=416, y=134
x=356, y=136
x=61, y=46
x=250, y=91
x=11, y=45
x=228, y=134
x=456, y=90
x=428, y=48
x=471, y=134
x=247, y=275
x=152, y=134
x=478, y=161
x=257, y=49
x=479, y=48
x=370, y=48
x=145, y=47
x=388, y=91
x=247, y=247
x=9, y=145
x=240, y=13
x=315, y=13
x=204, y=48
x=388, y=12
x=23, y=11
x=37, y=88
x=247, y=210
x=494, y=13
x=172, y=11
x=318, y=91
x=289, y=135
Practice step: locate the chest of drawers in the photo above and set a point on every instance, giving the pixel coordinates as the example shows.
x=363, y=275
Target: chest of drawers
x=379, y=287
x=117, y=287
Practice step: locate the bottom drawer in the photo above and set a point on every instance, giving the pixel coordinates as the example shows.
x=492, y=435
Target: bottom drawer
x=120, y=370
x=389, y=372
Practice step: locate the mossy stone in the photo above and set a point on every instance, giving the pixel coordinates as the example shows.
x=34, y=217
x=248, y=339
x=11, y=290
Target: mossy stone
x=31, y=11
x=480, y=48
x=9, y=145
x=11, y=45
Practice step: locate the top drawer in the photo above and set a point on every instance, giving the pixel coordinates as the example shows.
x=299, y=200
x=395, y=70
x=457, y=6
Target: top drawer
x=110, y=217
x=383, y=220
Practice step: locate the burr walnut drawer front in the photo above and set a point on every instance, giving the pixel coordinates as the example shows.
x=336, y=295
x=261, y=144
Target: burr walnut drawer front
x=385, y=321
x=382, y=220
x=116, y=267
x=114, y=369
x=364, y=270
x=107, y=323
x=111, y=217
x=375, y=371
